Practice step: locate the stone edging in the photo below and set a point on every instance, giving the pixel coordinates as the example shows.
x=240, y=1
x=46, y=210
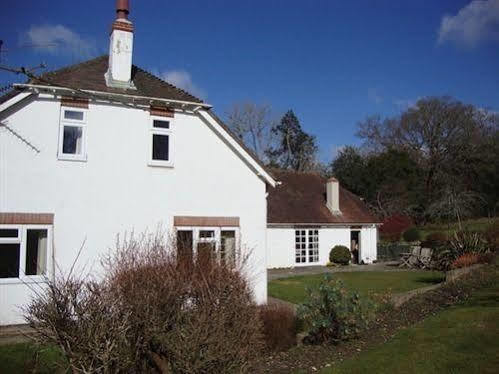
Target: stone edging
x=450, y=276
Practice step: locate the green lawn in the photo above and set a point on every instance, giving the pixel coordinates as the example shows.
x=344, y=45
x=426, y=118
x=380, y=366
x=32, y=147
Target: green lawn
x=478, y=224
x=26, y=358
x=293, y=289
x=461, y=339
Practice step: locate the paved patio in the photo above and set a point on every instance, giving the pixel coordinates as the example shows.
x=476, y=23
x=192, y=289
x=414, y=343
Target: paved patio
x=306, y=270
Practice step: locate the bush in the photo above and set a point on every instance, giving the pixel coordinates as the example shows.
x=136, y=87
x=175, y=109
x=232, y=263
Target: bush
x=334, y=314
x=151, y=313
x=461, y=243
x=492, y=236
x=393, y=227
x=279, y=326
x=340, y=255
x=412, y=235
x=435, y=240
x=465, y=260
x=468, y=242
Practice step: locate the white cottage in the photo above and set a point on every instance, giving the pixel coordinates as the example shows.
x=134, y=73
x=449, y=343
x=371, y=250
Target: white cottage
x=308, y=215
x=104, y=147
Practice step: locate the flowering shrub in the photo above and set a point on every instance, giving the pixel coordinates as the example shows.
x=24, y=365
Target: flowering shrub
x=393, y=227
x=333, y=314
x=465, y=260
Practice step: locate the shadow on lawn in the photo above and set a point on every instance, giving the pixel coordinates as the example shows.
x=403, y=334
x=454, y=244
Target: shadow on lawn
x=434, y=279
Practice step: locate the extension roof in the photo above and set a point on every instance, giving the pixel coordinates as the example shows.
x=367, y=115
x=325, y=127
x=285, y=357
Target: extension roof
x=301, y=199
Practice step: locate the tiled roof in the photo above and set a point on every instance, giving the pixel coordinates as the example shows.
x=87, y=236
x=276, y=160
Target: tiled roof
x=301, y=198
x=89, y=75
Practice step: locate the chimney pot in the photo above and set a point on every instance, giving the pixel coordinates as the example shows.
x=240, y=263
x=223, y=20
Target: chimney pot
x=122, y=9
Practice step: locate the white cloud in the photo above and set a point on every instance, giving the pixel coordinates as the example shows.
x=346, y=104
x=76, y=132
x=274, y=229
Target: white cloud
x=476, y=22
x=183, y=80
x=374, y=96
x=58, y=39
x=404, y=104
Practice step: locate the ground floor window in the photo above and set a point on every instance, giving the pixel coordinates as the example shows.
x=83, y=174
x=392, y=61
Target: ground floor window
x=24, y=251
x=207, y=244
x=306, y=246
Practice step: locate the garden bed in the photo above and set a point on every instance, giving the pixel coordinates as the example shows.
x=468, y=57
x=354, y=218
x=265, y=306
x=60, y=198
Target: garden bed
x=387, y=325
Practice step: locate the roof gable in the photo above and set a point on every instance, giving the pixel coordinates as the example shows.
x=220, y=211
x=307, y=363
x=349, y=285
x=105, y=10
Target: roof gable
x=89, y=76
x=301, y=198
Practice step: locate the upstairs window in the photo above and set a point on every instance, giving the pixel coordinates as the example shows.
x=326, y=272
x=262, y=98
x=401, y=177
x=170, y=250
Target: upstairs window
x=160, y=153
x=72, y=135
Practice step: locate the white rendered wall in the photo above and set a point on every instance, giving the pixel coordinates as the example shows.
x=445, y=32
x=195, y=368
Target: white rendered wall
x=115, y=190
x=281, y=245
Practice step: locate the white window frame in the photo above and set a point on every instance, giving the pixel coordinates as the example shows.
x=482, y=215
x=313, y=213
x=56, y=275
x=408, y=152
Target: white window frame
x=22, y=240
x=309, y=243
x=161, y=131
x=73, y=123
x=217, y=239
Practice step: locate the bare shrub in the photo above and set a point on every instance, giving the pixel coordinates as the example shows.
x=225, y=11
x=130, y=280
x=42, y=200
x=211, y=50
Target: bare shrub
x=152, y=312
x=279, y=326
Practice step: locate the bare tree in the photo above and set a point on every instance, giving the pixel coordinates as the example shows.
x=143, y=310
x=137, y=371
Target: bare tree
x=253, y=123
x=442, y=135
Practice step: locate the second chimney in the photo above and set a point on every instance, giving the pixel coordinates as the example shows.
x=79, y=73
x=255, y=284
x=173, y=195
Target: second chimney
x=333, y=195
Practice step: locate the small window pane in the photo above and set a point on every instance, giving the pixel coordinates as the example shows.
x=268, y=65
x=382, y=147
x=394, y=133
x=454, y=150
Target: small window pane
x=184, y=247
x=73, y=140
x=9, y=233
x=36, y=252
x=160, y=147
x=9, y=260
x=205, y=234
x=227, y=246
x=161, y=124
x=73, y=115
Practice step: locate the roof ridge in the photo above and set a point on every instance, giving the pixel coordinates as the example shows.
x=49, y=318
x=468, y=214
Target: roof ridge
x=291, y=171
x=168, y=83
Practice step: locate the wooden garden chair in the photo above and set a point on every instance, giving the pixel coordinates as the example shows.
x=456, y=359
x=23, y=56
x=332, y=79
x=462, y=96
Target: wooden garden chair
x=425, y=258
x=410, y=259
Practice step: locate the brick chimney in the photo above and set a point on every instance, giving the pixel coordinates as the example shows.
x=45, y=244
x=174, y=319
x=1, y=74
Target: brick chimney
x=119, y=71
x=333, y=195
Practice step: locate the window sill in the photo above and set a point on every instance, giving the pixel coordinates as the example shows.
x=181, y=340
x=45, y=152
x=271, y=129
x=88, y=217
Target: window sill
x=25, y=280
x=161, y=164
x=64, y=157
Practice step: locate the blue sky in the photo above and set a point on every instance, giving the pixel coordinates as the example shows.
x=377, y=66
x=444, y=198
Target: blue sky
x=332, y=62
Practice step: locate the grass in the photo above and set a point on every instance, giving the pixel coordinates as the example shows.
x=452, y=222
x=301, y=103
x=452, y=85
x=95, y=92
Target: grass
x=478, y=224
x=461, y=339
x=28, y=358
x=293, y=289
